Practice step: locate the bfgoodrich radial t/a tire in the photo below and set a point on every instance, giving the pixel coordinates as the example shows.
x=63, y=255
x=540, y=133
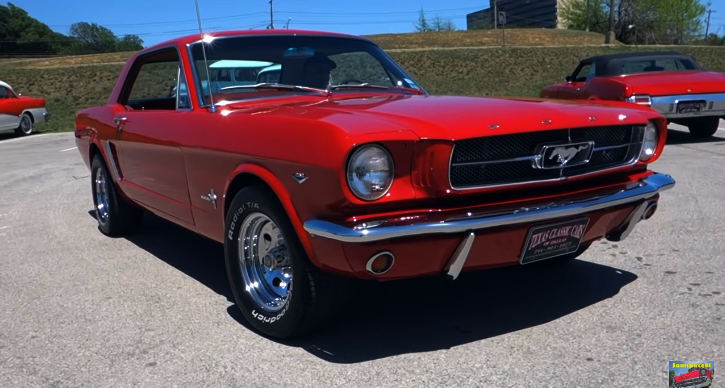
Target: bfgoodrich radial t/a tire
x=279, y=291
x=115, y=216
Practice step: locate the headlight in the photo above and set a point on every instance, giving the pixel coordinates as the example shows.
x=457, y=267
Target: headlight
x=703, y=372
x=370, y=172
x=649, y=143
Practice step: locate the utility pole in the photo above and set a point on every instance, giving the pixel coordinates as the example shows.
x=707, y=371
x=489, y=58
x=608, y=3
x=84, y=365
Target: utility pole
x=587, y=15
x=495, y=14
x=707, y=30
x=271, y=15
x=610, y=33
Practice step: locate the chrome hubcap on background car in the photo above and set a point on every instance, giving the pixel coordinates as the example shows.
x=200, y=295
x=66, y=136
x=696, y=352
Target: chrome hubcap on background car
x=264, y=261
x=101, y=196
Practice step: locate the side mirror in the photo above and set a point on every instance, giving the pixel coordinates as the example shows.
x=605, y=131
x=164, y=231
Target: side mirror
x=568, y=78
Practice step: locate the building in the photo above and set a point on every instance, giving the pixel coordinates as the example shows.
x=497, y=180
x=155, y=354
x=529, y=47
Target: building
x=519, y=13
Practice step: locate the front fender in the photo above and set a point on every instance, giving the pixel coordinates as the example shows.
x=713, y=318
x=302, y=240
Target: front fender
x=279, y=190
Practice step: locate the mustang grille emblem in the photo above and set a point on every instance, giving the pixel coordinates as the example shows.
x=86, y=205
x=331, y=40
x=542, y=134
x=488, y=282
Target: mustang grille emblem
x=565, y=155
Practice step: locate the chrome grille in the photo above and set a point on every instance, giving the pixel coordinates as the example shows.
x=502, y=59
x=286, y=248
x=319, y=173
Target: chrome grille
x=509, y=159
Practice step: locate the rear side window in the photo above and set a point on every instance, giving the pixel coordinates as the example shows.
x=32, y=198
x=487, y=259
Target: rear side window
x=653, y=65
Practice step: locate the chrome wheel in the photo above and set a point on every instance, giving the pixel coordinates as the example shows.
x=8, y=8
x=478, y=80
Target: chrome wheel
x=26, y=125
x=265, y=263
x=101, y=185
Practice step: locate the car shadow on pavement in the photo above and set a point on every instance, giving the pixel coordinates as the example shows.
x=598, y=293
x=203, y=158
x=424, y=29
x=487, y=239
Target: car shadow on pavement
x=408, y=316
x=675, y=136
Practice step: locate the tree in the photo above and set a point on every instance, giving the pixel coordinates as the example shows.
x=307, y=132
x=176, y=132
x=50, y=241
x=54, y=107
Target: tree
x=639, y=21
x=129, y=43
x=422, y=24
x=22, y=34
x=92, y=38
x=440, y=24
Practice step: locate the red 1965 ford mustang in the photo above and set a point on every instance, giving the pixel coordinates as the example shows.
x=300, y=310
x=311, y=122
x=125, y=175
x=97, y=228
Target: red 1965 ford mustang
x=340, y=165
x=671, y=83
x=19, y=113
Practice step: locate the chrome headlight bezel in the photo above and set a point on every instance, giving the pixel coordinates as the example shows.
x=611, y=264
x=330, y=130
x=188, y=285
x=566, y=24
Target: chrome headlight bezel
x=650, y=140
x=354, y=160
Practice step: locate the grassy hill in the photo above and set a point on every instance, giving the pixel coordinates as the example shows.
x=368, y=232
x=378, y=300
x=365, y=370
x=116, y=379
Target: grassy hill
x=478, y=38
x=73, y=83
x=453, y=39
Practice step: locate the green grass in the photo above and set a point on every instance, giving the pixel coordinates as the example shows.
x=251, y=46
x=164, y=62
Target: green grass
x=478, y=38
x=488, y=71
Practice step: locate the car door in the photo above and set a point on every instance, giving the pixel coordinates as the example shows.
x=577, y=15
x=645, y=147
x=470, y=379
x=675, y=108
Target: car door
x=8, y=119
x=575, y=88
x=150, y=123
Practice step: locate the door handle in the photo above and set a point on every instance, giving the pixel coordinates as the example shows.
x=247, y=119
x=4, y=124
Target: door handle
x=119, y=121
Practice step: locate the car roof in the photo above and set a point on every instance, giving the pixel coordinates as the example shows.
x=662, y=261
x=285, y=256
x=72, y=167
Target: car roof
x=610, y=64
x=271, y=68
x=188, y=39
x=238, y=63
x=6, y=85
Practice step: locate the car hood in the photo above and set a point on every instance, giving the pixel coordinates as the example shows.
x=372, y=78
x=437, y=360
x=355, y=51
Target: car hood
x=676, y=82
x=455, y=118
x=687, y=376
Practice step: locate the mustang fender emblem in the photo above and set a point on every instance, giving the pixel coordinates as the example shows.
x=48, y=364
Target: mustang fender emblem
x=211, y=198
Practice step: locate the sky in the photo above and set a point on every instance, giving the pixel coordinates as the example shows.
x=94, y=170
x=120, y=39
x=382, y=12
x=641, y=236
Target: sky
x=157, y=20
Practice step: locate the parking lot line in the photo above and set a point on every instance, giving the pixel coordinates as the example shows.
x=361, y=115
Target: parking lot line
x=24, y=138
x=68, y=149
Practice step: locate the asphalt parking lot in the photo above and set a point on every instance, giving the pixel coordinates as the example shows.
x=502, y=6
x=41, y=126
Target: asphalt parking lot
x=154, y=309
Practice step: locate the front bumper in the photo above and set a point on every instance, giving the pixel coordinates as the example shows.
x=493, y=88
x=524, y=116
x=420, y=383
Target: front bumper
x=667, y=105
x=471, y=240
x=637, y=191
x=695, y=383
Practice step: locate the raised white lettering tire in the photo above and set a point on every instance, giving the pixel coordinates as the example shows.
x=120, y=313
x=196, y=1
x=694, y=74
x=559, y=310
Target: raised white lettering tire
x=115, y=216
x=277, y=288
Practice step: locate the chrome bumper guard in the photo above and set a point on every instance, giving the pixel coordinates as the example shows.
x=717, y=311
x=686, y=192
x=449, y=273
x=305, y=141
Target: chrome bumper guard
x=633, y=193
x=667, y=105
x=706, y=382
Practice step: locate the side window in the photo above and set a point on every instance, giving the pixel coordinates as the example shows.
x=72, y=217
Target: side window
x=4, y=92
x=224, y=75
x=155, y=86
x=592, y=72
x=583, y=74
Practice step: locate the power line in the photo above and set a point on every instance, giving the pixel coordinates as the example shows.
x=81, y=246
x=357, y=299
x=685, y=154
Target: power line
x=355, y=15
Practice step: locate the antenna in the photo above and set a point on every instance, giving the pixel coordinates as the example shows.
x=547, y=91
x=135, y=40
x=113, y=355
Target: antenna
x=206, y=64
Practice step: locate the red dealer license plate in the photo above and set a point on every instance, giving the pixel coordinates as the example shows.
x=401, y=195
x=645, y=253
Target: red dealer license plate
x=547, y=241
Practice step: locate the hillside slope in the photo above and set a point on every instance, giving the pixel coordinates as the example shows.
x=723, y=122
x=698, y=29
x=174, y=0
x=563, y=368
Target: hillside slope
x=454, y=39
x=485, y=71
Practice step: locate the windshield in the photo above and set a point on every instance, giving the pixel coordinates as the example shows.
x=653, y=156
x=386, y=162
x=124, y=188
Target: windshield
x=319, y=62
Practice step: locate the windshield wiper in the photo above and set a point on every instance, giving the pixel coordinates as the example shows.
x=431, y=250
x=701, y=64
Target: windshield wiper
x=363, y=85
x=270, y=85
